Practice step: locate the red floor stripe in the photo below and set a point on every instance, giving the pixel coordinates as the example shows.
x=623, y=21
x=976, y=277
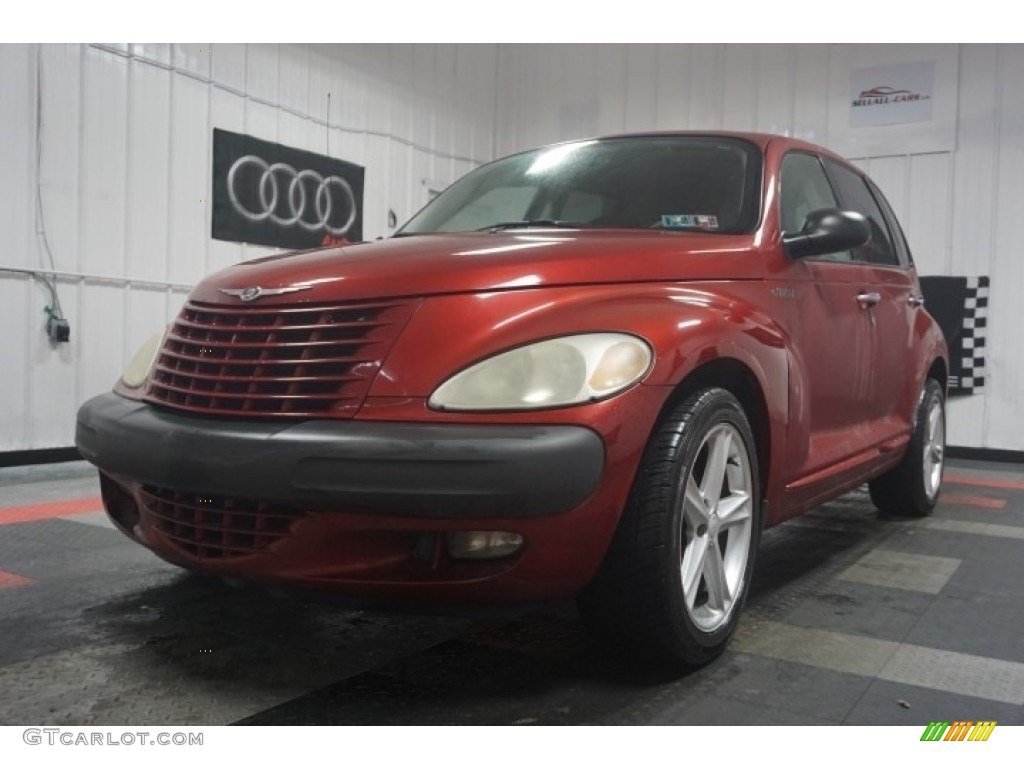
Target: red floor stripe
x=49, y=509
x=984, y=482
x=12, y=580
x=985, y=502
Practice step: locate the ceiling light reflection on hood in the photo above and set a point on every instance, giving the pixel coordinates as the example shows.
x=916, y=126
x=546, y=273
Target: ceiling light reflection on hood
x=504, y=248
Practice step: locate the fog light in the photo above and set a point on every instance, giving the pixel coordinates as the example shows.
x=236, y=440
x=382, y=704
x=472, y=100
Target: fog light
x=481, y=545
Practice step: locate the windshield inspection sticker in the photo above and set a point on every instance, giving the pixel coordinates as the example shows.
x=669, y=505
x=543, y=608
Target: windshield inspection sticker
x=686, y=221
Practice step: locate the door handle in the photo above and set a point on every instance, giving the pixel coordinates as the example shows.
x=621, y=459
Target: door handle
x=916, y=301
x=868, y=299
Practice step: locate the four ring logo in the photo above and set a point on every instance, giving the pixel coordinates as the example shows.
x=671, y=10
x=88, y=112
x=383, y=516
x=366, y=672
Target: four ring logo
x=262, y=191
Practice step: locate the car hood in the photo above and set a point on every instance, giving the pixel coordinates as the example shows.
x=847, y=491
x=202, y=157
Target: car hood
x=428, y=265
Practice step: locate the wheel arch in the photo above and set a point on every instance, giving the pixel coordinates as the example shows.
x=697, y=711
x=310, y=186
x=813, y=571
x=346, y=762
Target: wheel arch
x=939, y=371
x=738, y=378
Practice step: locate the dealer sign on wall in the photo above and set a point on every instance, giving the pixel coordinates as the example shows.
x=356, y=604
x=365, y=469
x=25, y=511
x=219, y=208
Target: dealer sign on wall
x=896, y=93
x=271, y=194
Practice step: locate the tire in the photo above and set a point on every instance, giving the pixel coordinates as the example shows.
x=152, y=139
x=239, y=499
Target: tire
x=674, y=580
x=911, y=488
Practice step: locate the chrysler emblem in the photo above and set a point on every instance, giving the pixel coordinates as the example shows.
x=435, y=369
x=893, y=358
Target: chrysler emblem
x=254, y=292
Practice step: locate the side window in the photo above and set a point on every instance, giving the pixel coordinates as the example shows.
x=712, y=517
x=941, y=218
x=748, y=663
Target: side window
x=899, y=239
x=857, y=197
x=805, y=188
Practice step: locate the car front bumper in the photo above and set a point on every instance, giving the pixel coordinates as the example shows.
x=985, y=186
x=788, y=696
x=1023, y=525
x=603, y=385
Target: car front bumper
x=413, y=470
x=360, y=506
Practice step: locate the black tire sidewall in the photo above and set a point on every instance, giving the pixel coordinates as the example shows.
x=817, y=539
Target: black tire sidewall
x=719, y=407
x=900, y=492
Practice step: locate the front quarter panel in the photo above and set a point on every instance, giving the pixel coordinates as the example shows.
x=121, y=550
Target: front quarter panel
x=687, y=325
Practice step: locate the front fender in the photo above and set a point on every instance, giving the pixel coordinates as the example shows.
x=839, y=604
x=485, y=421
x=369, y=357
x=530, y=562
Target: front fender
x=686, y=327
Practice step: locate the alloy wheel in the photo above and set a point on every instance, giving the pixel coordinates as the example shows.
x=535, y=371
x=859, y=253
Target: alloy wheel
x=934, y=448
x=717, y=527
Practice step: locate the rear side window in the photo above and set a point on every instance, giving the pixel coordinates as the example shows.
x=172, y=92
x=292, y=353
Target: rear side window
x=899, y=239
x=857, y=197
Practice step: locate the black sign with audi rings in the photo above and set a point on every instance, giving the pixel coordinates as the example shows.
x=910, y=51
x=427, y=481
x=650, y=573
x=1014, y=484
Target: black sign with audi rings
x=270, y=194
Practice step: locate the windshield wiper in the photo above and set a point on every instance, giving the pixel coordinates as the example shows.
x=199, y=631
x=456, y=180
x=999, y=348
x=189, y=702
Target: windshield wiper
x=527, y=223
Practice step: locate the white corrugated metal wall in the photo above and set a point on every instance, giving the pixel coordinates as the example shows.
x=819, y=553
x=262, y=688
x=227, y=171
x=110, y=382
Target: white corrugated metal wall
x=125, y=162
x=961, y=208
x=126, y=141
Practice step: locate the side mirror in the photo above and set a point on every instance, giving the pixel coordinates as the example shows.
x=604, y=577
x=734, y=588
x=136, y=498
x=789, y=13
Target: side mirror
x=828, y=231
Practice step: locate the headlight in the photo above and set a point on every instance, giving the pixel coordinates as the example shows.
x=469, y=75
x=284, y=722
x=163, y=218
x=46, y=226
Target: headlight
x=562, y=371
x=137, y=372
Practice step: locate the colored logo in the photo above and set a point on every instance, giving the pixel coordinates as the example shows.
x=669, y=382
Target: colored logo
x=961, y=730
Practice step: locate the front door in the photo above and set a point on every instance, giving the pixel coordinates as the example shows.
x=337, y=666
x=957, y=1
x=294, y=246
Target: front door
x=819, y=305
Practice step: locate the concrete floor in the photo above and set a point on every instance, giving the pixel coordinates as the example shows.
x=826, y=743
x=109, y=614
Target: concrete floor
x=851, y=619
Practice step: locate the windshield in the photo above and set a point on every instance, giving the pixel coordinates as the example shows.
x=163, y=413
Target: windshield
x=668, y=182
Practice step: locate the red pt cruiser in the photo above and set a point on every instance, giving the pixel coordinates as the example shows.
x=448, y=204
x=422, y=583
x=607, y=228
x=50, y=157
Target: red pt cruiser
x=597, y=368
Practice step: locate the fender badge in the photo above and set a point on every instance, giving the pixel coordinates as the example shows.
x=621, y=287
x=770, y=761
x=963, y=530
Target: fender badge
x=254, y=292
